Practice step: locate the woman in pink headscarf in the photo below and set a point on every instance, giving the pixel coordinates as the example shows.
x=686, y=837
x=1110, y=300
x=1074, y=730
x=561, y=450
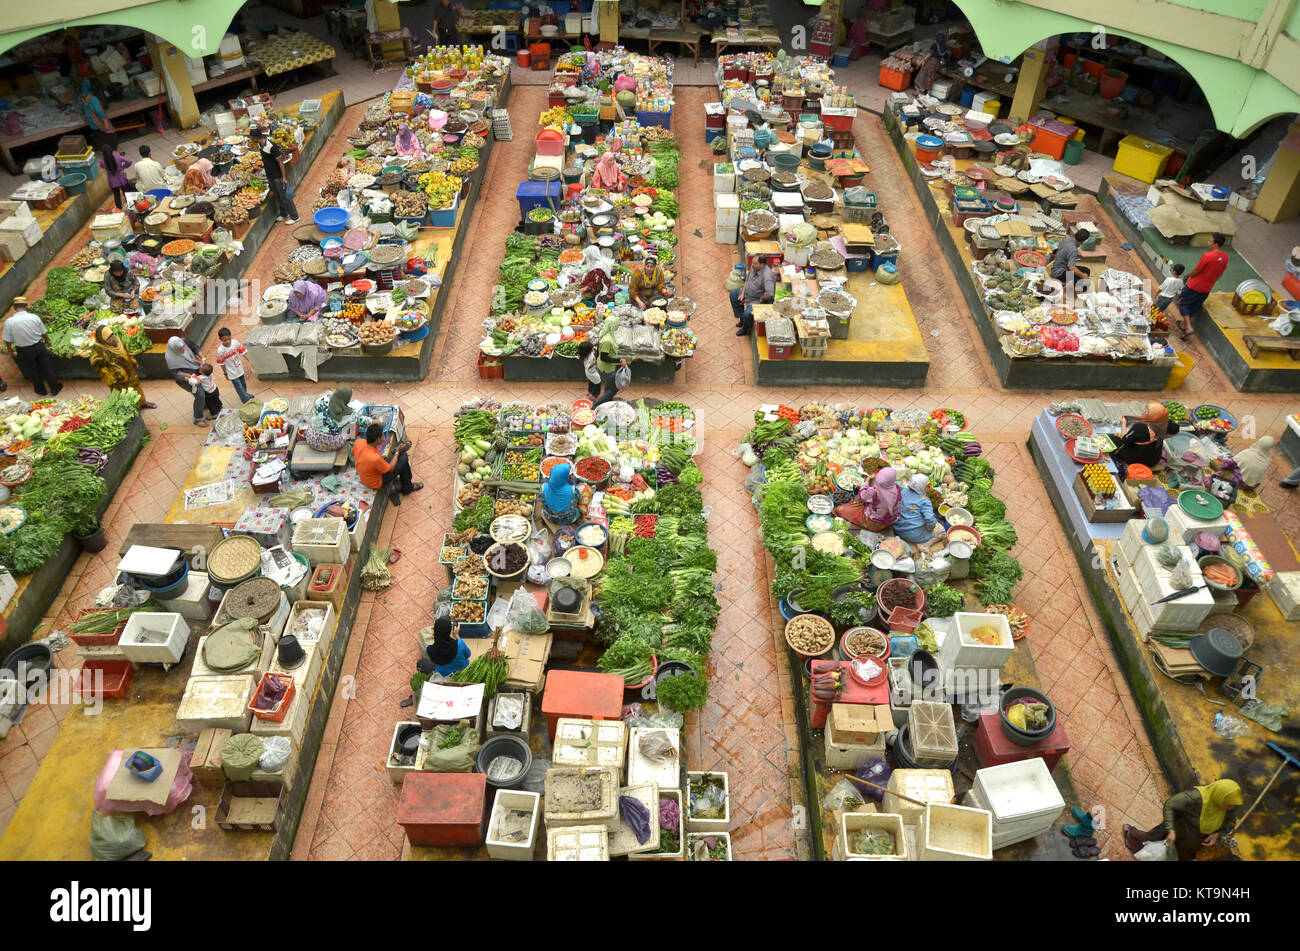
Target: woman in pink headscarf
x=881, y=501
x=407, y=144
x=607, y=175
x=198, y=178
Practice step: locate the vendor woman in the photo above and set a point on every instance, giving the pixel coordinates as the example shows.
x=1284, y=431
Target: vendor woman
x=198, y=178
x=597, y=281
x=307, y=300
x=649, y=282
x=881, y=501
x=607, y=174
x=332, y=413
x=407, y=144
x=559, y=498
x=120, y=284
x=916, y=521
x=448, y=654
x=1192, y=819
x=1144, y=438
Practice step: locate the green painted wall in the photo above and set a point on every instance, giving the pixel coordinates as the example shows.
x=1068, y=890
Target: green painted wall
x=1240, y=97
x=193, y=26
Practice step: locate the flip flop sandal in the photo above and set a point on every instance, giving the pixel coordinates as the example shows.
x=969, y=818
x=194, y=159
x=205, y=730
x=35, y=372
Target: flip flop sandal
x=1086, y=852
x=1078, y=831
x=1082, y=815
x=395, y=556
x=1083, y=841
x=415, y=487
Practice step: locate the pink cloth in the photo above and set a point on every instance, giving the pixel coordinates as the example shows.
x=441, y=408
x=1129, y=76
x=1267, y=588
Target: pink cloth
x=624, y=82
x=883, y=498
x=180, y=791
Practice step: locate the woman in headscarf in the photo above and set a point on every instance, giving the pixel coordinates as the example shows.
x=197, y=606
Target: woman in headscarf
x=647, y=283
x=183, y=361
x=448, y=654
x=607, y=174
x=915, y=521
x=198, y=179
x=881, y=501
x=116, y=367
x=1143, y=439
x=120, y=284
x=559, y=498
x=407, y=144
x=1192, y=819
x=607, y=360
x=306, y=300
x=597, y=279
x=91, y=108
x=333, y=413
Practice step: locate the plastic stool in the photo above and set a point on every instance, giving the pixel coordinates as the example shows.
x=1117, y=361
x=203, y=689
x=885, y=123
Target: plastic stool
x=512, y=42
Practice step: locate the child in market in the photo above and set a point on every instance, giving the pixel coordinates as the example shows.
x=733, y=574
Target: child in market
x=211, y=395
x=1169, y=291
x=229, y=358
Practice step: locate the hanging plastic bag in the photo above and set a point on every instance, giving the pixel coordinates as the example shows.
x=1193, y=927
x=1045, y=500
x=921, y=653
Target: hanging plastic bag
x=1155, y=852
x=622, y=377
x=524, y=615
x=113, y=838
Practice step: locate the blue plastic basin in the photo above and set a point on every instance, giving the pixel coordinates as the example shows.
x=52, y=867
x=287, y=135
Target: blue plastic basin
x=330, y=220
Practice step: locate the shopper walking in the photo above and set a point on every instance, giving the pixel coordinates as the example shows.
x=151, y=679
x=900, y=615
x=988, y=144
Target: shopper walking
x=273, y=168
x=115, y=164
x=1200, y=282
x=230, y=354
x=587, y=354
x=24, y=335
x=183, y=361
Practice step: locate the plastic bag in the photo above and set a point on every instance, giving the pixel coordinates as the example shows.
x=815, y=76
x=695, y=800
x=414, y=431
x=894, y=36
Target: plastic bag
x=1230, y=727
x=1155, y=852
x=735, y=279
x=240, y=755
x=535, y=780
x=310, y=335
x=843, y=797
x=114, y=837
x=657, y=746
x=275, y=753
x=663, y=720
x=524, y=615
x=622, y=377
x=496, y=616
x=456, y=758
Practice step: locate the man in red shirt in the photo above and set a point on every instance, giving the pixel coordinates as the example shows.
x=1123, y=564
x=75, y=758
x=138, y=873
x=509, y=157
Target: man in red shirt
x=377, y=471
x=1200, y=282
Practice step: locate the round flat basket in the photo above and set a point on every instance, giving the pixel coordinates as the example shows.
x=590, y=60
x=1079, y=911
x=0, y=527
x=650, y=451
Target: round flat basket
x=1234, y=624
x=235, y=559
x=384, y=255
x=585, y=562
x=257, y=598
x=510, y=528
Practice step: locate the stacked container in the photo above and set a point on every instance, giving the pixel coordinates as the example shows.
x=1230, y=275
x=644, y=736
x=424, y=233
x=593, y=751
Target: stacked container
x=1022, y=798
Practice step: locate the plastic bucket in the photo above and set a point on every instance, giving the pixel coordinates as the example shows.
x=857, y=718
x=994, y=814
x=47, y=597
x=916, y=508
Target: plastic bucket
x=1073, y=151
x=928, y=148
x=1111, y=83
x=511, y=747
x=73, y=182
x=525, y=59
x=1178, y=375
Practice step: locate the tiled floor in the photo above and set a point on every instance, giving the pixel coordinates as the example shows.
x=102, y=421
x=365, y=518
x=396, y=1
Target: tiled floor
x=748, y=725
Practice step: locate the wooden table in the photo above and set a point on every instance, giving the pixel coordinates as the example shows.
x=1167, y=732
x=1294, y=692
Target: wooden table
x=116, y=110
x=691, y=41
x=379, y=40
x=722, y=44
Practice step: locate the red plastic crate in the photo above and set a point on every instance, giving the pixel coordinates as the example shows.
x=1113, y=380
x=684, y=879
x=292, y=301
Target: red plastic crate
x=993, y=748
x=904, y=620
x=779, y=351
x=582, y=695
x=490, y=368
x=95, y=640
x=854, y=692
x=117, y=676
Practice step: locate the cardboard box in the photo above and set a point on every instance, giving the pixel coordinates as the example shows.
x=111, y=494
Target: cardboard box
x=528, y=654
x=205, y=762
x=860, y=723
x=1122, y=513
x=193, y=224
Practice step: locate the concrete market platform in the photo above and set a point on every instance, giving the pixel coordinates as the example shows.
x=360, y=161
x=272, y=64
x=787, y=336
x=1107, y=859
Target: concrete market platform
x=53, y=819
x=1179, y=718
x=1017, y=372
x=569, y=370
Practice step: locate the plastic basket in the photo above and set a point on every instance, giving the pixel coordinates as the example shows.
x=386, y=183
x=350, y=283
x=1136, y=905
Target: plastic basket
x=278, y=714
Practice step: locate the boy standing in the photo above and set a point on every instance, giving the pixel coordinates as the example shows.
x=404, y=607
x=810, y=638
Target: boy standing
x=211, y=396
x=230, y=358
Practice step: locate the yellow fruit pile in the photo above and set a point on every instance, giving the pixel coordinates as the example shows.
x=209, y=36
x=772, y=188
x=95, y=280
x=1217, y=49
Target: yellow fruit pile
x=441, y=188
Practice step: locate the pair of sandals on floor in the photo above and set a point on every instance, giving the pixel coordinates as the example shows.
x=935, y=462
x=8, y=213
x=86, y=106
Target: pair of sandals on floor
x=1082, y=843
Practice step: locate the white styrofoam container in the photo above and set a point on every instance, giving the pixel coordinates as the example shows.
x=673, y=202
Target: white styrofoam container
x=8, y=587
x=726, y=201
x=706, y=825
x=1019, y=791
x=724, y=836
x=680, y=854
x=225, y=123
x=1130, y=540
x=947, y=833
x=218, y=703
x=1009, y=833
x=143, y=624
x=577, y=844
x=642, y=769
x=1183, y=526
x=193, y=602
x=1155, y=581
x=958, y=650
x=16, y=209
x=925, y=785
x=1284, y=589
x=327, y=626
x=357, y=534
x=323, y=540
x=724, y=183
x=851, y=822
x=589, y=743
x=307, y=674
x=514, y=851
x=726, y=235
x=274, y=626
x=623, y=841
x=397, y=773
x=27, y=229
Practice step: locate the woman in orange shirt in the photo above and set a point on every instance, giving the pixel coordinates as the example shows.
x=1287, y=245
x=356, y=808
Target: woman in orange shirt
x=377, y=472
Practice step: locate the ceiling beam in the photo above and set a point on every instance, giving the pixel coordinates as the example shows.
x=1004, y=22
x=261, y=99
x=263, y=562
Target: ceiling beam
x=37, y=16
x=1160, y=20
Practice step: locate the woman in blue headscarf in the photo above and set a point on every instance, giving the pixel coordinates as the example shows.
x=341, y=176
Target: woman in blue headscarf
x=559, y=498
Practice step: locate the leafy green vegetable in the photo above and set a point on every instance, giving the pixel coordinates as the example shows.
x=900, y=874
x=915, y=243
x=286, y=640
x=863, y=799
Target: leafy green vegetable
x=683, y=693
x=479, y=515
x=943, y=601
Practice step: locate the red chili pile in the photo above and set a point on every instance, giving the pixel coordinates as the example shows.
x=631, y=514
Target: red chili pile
x=593, y=469
x=645, y=525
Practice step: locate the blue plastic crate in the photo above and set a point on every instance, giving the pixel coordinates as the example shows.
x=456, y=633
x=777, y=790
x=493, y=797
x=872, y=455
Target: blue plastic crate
x=561, y=7
x=858, y=265
x=662, y=119
x=711, y=134
x=445, y=217
x=532, y=195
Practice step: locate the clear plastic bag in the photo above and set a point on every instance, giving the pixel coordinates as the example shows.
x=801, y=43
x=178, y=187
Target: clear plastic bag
x=1155, y=852
x=657, y=746
x=310, y=335
x=1230, y=727
x=844, y=796
x=275, y=753
x=113, y=838
x=524, y=615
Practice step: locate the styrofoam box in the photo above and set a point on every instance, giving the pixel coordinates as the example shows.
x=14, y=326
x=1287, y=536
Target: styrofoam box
x=724, y=836
x=1020, y=791
x=294, y=725
x=274, y=627
x=16, y=209
x=787, y=201
x=1284, y=589
x=27, y=229
x=1130, y=541
x=577, y=844
x=851, y=822
x=623, y=841
x=1009, y=833
x=606, y=815
x=954, y=834
x=8, y=587
x=723, y=182
x=727, y=218
x=680, y=854
x=642, y=769
x=1154, y=581
x=357, y=534
x=590, y=743
x=397, y=773
x=522, y=801
x=927, y=785
x=1183, y=526
x=328, y=624
x=193, y=602
x=841, y=755
x=307, y=674
x=140, y=638
x=726, y=235
x=219, y=703
x=324, y=541
x=961, y=651
x=706, y=825
x=257, y=666
x=976, y=119
x=726, y=201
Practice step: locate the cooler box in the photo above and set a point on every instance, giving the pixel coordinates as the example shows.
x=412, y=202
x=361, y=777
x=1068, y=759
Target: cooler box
x=532, y=195
x=1141, y=159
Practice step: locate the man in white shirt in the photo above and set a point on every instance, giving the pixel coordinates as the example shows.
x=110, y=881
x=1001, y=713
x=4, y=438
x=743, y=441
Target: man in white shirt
x=24, y=334
x=148, y=173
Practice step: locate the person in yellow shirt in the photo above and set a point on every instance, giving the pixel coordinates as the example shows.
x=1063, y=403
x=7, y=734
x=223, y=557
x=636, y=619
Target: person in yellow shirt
x=649, y=282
